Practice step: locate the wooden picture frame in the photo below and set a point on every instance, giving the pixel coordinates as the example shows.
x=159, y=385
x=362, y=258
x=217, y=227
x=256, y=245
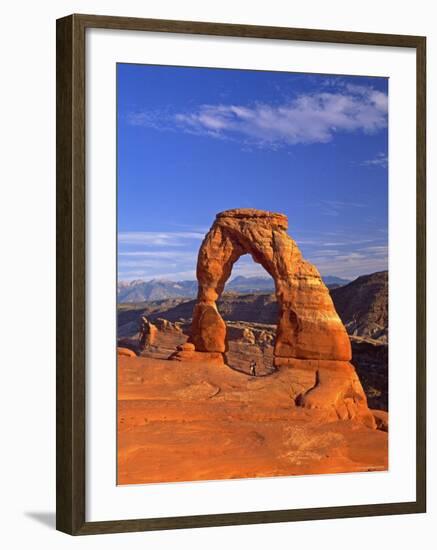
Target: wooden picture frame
x=71, y=247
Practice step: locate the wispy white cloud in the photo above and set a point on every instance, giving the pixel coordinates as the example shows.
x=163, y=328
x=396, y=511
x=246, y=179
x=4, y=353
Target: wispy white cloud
x=146, y=264
x=380, y=250
x=351, y=263
x=156, y=260
x=307, y=118
x=130, y=275
x=190, y=228
x=174, y=238
x=343, y=204
x=173, y=255
x=156, y=254
x=347, y=242
x=150, y=255
x=334, y=208
x=345, y=254
x=157, y=119
x=381, y=161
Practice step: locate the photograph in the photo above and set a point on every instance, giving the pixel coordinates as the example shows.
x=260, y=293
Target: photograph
x=252, y=274
x=221, y=213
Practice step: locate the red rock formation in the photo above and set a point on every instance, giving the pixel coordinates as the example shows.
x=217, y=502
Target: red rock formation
x=381, y=419
x=148, y=333
x=336, y=388
x=309, y=331
x=126, y=352
x=165, y=325
x=201, y=420
x=308, y=325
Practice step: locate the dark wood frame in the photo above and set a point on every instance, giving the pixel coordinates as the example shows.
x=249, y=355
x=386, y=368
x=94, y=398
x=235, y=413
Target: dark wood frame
x=70, y=297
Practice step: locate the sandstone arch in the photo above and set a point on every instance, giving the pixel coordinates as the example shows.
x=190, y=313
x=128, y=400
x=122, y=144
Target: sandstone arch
x=308, y=326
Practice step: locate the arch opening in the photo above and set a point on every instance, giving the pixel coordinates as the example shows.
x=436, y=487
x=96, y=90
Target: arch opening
x=249, y=309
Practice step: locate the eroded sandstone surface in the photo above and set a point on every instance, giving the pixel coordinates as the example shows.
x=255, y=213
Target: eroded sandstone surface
x=196, y=420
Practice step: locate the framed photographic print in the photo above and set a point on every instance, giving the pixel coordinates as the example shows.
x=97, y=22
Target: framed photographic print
x=240, y=274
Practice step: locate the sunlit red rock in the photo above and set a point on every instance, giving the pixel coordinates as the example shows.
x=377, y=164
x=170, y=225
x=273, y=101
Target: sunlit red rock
x=308, y=325
x=188, y=420
x=126, y=352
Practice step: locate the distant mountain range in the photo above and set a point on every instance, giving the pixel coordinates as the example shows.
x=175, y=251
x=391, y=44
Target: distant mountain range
x=362, y=306
x=161, y=289
x=156, y=289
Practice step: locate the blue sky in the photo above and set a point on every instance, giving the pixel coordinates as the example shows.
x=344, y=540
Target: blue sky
x=193, y=142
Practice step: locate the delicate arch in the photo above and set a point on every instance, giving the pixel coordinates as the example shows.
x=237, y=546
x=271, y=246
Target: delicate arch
x=308, y=325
